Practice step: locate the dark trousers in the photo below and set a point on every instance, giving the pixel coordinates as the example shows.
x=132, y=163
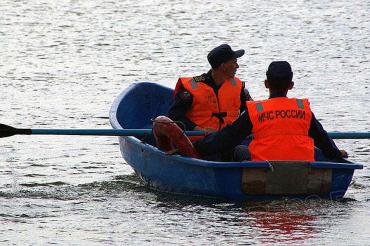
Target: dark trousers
x=241, y=153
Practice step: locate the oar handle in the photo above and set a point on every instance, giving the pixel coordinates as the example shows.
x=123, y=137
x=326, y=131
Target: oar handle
x=349, y=135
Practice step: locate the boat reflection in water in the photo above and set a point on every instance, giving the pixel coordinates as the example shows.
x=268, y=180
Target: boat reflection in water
x=289, y=221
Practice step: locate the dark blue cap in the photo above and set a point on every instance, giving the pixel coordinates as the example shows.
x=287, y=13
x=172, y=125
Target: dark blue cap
x=221, y=54
x=279, y=70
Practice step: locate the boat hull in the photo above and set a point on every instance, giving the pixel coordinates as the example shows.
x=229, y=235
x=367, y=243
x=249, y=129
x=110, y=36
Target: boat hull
x=227, y=180
x=234, y=180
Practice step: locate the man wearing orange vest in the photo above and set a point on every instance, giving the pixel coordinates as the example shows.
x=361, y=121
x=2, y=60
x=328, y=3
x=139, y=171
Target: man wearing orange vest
x=212, y=100
x=283, y=128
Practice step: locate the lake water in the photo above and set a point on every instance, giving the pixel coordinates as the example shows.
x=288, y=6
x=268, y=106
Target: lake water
x=62, y=63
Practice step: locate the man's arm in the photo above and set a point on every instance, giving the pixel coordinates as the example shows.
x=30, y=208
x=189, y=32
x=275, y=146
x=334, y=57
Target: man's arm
x=323, y=141
x=244, y=96
x=227, y=138
x=182, y=103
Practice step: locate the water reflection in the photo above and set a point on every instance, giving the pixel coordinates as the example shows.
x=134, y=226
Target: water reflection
x=294, y=221
x=283, y=225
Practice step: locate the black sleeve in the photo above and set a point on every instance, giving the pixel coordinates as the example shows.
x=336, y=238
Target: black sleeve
x=322, y=140
x=227, y=138
x=177, y=112
x=244, y=96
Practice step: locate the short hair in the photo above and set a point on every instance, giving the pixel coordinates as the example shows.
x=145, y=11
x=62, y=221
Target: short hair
x=279, y=74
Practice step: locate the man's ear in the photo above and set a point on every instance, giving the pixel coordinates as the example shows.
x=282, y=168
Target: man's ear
x=291, y=85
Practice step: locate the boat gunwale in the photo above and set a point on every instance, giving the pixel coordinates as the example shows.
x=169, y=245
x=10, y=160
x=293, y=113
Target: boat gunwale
x=244, y=164
x=211, y=164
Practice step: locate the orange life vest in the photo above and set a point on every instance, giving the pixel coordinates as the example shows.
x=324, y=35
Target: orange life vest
x=209, y=109
x=280, y=129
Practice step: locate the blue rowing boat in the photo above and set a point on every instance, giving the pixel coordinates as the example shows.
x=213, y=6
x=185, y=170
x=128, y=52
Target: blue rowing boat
x=137, y=105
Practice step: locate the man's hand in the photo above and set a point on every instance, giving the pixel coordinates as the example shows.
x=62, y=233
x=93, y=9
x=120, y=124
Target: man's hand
x=344, y=153
x=206, y=130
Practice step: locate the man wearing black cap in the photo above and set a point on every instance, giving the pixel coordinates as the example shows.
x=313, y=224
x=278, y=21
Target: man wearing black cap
x=212, y=100
x=283, y=128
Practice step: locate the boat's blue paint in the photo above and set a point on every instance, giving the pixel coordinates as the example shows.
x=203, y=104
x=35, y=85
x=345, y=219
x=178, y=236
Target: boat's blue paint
x=331, y=165
x=342, y=179
x=137, y=105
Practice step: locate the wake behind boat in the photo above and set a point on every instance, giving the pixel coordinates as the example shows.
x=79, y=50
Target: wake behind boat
x=135, y=108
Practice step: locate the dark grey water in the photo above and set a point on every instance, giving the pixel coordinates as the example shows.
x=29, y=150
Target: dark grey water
x=63, y=62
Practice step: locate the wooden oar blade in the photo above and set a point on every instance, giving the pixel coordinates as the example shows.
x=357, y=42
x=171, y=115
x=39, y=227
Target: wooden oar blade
x=7, y=131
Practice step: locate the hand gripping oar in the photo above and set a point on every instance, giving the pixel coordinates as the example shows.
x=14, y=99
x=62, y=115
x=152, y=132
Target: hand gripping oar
x=7, y=131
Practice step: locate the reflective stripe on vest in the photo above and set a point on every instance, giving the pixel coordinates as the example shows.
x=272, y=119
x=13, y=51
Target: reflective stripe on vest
x=209, y=109
x=280, y=129
x=233, y=81
x=193, y=84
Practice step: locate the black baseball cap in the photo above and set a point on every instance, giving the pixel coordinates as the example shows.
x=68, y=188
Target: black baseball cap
x=279, y=70
x=221, y=54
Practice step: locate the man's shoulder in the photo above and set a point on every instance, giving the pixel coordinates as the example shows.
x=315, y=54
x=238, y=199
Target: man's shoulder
x=199, y=78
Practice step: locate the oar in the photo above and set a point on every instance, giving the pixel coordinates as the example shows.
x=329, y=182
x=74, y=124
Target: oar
x=7, y=131
x=349, y=135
